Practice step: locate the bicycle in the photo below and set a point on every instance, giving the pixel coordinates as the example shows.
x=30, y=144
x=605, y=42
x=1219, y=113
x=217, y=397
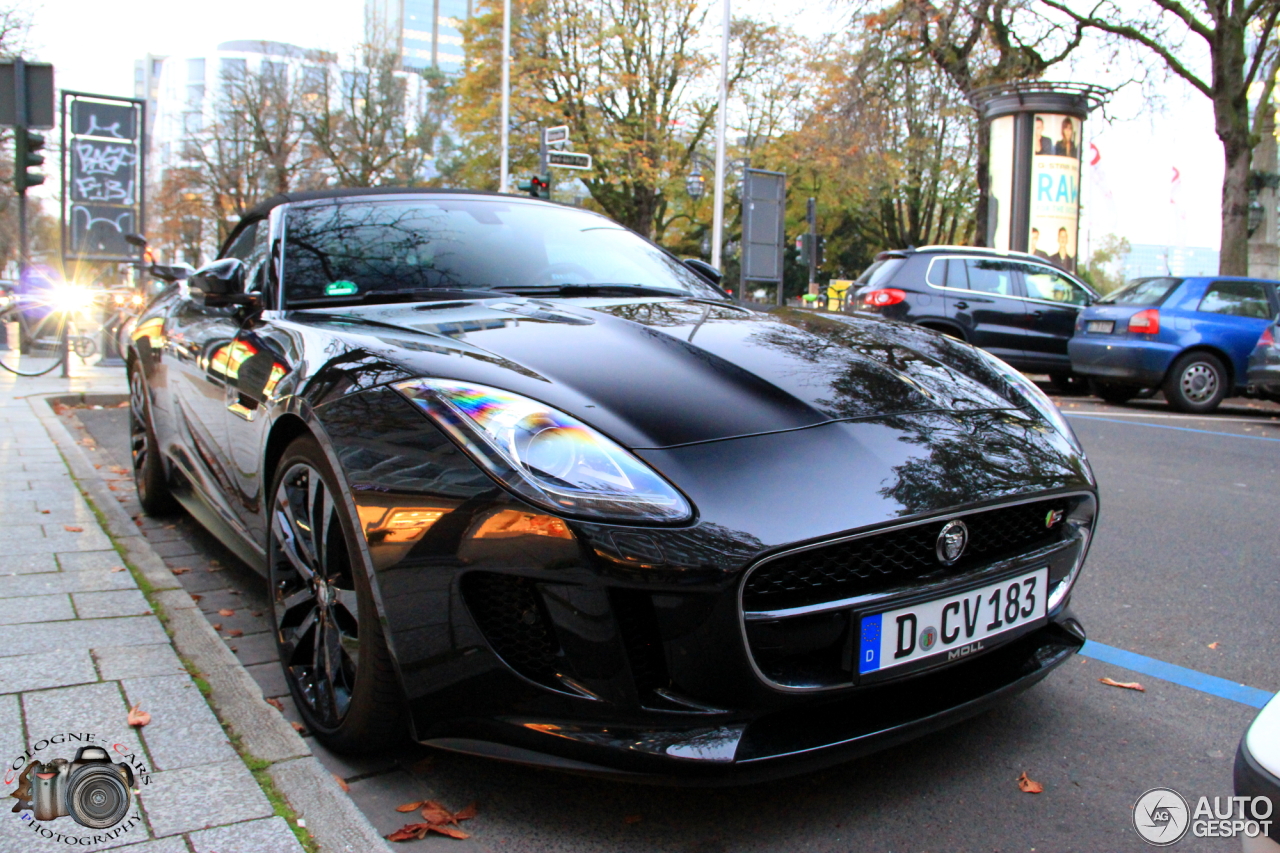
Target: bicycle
x=44, y=327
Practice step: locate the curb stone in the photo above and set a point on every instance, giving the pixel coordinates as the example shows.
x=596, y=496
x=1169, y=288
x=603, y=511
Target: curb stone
x=332, y=818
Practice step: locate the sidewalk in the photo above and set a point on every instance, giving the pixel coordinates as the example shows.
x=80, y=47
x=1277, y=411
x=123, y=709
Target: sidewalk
x=80, y=645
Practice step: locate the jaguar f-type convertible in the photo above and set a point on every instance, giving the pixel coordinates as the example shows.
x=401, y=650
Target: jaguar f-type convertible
x=525, y=485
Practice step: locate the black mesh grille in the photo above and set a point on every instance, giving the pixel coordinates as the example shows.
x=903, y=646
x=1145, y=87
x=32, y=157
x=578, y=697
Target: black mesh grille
x=888, y=560
x=638, y=624
x=509, y=611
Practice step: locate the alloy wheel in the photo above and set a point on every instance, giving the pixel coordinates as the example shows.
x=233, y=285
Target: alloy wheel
x=139, y=435
x=315, y=603
x=1199, y=382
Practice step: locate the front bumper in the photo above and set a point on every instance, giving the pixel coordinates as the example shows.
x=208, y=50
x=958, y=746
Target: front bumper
x=1121, y=359
x=799, y=739
x=1257, y=772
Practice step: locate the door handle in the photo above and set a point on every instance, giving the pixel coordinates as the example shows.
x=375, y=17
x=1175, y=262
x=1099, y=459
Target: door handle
x=962, y=305
x=1037, y=313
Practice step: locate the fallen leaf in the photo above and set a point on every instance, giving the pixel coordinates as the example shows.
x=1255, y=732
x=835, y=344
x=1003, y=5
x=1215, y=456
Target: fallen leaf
x=277, y=704
x=85, y=442
x=433, y=812
x=214, y=563
x=342, y=783
x=1127, y=685
x=233, y=648
x=122, y=499
x=255, y=612
x=116, y=469
x=71, y=528
x=195, y=596
x=225, y=612
x=1214, y=645
x=138, y=717
x=180, y=571
x=115, y=569
x=451, y=831
x=112, y=487
x=298, y=727
x=467, y=813
x=123, y=405
x=1028, y=785
x=45, y=512
x=410, y=807
x=214, y=569
x=217, y=626
x=409, y=832
x=632, y=818
x=97, y=466
x=235, y=632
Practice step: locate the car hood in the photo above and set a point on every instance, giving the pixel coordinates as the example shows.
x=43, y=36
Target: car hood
x=667, y=372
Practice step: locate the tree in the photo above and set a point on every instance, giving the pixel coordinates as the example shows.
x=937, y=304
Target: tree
x=1240, y=37
x=979, y=44
x=1105, y=270
x=632, y=78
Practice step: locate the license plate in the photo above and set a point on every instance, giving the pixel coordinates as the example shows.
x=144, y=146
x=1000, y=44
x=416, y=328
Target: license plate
x=1102, y=327
x=955, y=626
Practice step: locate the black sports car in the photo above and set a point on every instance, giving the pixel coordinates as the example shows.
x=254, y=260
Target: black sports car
x=527, y=486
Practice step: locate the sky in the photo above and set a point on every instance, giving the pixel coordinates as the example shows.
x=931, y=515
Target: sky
x=93, y=47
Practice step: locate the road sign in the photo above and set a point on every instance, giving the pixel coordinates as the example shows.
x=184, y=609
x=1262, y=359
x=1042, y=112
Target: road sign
x=568, y=160
x=764, y=199
x=556, y=135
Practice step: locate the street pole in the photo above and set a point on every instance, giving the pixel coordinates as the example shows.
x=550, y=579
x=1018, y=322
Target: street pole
x=812, y=215
x=504, y=175
x=722, y=119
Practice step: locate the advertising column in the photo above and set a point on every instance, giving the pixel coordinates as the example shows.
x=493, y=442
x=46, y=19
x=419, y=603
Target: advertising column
x=1055, y=189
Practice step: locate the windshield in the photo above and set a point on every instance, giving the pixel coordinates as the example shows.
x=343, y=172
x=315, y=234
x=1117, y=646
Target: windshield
x=361, y=250
x=1142, y=291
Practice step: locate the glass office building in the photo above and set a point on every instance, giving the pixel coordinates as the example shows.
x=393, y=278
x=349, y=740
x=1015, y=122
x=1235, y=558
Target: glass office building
x=427, y=30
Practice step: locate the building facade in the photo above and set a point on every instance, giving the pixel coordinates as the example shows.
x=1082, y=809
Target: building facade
x=427, y=33
x=1147, y=259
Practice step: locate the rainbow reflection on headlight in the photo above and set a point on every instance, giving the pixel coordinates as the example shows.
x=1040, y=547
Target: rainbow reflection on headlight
x=547, y=456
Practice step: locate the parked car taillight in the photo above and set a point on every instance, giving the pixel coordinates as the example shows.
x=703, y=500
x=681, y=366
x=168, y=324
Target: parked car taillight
x=1267, y=339
x=884, y=296
x=1145, y=322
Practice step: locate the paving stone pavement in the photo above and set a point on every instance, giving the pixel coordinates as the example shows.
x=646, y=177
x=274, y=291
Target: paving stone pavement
x=79, y=645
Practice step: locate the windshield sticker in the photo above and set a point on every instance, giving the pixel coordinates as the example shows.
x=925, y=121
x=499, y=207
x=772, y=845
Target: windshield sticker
x=341, y=288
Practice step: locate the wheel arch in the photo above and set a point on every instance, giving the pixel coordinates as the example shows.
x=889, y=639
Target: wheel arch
x=286, y=428
x=946, y=327
x=1214, y=351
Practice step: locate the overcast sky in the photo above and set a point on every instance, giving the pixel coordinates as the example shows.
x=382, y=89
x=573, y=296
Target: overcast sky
x=93, y=47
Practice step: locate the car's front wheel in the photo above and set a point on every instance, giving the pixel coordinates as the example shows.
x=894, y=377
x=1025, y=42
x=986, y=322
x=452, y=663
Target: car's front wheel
x=1196, y=383
x=1067, y=382
x=330, y=640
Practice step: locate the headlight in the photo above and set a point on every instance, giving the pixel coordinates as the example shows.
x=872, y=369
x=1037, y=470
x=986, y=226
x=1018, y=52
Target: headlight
x=545, y=456
x=1032, y=394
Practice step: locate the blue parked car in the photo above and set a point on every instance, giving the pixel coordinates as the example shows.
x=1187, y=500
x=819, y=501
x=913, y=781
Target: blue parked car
x=1189, y=337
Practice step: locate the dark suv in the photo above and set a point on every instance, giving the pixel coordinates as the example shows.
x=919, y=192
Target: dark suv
x=1017, y=306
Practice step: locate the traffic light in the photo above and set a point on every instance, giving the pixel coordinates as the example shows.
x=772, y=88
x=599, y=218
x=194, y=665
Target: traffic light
x=806, y=244
x=27, y=145
x=538, y=186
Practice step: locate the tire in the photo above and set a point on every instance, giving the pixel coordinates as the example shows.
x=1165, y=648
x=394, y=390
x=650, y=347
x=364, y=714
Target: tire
x=1196, y=383
x=331, y=644
x=148, y=468
x=1112, y=392
x=1069, y=383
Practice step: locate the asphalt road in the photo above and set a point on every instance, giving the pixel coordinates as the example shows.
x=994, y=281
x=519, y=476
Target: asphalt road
x=1185, y=557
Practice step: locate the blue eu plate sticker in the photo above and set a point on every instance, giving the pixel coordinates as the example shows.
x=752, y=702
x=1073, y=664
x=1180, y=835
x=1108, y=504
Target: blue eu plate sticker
x=869, y=653
x=341, y=288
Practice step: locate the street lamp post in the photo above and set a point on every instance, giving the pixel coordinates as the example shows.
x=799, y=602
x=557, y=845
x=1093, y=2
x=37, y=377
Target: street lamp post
x=717, y=218
x=504, y=172
x=695, y=184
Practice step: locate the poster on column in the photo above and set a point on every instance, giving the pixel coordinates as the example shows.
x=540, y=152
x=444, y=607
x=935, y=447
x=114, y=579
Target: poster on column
x=1055, y=189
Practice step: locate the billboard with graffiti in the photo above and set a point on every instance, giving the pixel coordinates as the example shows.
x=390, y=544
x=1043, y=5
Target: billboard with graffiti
x=102, y=174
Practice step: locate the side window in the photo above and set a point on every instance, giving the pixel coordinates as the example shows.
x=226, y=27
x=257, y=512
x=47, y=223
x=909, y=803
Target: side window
x=257, y=260
x=990, y=276
x=1044, y=283
x=243, y=245
x=1236, y=299
x=956, y=274
x=937, y=274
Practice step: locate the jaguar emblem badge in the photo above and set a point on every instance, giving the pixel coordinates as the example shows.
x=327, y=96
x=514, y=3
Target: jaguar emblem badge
x=952, y=540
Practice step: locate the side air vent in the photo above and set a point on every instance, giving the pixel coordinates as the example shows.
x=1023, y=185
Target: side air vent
x=510, y=613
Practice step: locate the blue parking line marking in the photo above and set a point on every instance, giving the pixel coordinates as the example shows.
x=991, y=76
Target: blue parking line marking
x=1162, y=426
x=1205, y=683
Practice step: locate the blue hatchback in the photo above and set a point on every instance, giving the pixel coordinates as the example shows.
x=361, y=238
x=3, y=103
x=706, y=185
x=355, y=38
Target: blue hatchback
x=1189, y=337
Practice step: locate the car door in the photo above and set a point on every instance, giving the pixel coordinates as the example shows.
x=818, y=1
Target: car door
x=199, y=338
x=1231, y=316
x=985, y=300
x=1054, y=301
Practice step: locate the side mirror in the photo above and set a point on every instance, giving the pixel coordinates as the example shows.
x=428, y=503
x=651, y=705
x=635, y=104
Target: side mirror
x=705, y=270
x=171, y=272
x=136, y=240
x=222, y=282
